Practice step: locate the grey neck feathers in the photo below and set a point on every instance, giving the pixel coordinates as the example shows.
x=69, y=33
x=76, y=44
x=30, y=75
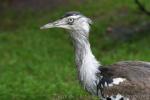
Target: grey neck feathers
x=86, y=63
x=82, y=46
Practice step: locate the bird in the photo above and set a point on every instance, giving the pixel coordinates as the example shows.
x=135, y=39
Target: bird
x=123, y=80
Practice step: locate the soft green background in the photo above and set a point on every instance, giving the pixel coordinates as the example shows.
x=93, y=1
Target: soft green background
x=39, y=64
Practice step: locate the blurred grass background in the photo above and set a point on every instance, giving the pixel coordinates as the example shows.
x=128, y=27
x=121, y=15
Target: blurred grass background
x=39, y=64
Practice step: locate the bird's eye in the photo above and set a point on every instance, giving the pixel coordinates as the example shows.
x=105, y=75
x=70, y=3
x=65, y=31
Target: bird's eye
x=70, y=21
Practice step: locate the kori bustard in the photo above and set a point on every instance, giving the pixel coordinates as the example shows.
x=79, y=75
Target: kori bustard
x=125, y=80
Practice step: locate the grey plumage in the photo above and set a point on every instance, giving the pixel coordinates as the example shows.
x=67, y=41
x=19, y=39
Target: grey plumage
x=120, y=81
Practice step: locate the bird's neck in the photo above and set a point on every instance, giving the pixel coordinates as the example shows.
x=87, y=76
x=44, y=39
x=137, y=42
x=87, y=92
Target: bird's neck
x=86, y=62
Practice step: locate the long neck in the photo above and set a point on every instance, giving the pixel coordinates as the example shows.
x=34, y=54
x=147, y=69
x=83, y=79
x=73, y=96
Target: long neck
x=82, y=47
x=86, y=63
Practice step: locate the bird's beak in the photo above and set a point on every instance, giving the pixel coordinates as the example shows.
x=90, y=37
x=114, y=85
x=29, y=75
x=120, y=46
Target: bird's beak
x=59, y=23
x=49, y=25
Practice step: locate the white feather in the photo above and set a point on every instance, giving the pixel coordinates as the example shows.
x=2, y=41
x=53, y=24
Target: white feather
x=117, y=81
x=88, y=71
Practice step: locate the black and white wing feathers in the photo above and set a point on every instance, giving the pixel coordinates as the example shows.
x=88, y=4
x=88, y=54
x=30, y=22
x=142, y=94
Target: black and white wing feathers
x=130, y=79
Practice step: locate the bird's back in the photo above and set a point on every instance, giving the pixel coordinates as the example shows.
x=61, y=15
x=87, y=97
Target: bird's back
x=137, y=79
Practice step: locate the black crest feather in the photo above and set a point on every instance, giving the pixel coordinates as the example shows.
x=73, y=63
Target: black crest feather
x=71, y=13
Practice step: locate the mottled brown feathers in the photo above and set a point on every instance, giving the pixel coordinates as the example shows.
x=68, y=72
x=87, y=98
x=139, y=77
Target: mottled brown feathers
x=137, y=84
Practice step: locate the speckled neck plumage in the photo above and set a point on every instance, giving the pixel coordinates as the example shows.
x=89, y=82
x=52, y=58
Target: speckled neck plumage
x=86, y=63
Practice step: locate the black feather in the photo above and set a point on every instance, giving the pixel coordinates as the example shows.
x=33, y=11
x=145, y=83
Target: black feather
x=71, y=13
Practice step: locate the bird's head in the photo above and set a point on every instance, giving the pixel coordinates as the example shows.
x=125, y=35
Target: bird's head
x=73, y=21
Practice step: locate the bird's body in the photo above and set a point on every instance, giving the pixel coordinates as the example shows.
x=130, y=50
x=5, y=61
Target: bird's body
x=121, y=81
x=136, y=85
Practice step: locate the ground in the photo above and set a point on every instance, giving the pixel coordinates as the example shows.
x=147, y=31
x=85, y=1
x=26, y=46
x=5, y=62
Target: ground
x=39, y=64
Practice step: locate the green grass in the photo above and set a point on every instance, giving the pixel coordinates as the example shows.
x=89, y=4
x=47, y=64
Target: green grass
x=39, y=64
